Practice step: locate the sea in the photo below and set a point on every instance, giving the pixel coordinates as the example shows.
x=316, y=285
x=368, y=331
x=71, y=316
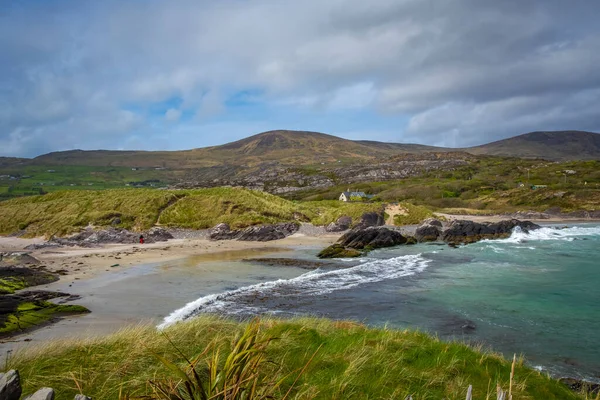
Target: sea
x=533, y=294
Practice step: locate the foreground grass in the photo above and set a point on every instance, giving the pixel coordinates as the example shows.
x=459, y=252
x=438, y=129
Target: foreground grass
x=66, y=212
x=330, y=360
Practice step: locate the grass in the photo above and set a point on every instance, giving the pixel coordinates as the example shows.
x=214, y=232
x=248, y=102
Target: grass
x=311, y=358
x=66, y=212
x=414, y=214
x=489, y=185
x=30, y=314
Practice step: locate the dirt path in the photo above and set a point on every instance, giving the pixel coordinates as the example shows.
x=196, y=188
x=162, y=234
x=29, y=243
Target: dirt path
x=392, y=210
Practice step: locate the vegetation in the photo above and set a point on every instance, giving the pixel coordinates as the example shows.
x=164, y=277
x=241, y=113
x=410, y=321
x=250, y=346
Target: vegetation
x=309, y=358
x=488, y=185
x=414, y=214
x=65, y=212
x=339, y=251
x=30, y=314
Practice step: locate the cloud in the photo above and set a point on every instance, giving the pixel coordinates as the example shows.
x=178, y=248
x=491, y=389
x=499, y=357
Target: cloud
x=461, y=72
x=172, y=115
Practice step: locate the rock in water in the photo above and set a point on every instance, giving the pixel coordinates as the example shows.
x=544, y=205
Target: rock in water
x=42, y=394
x=363, y=239
x=10, y=385
x=462, y=231
x=342, y=224
x=372, y=238
x=429, y=231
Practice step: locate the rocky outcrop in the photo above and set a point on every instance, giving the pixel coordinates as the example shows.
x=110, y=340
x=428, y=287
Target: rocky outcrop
x=265, y=233
x=429, y=231
x=342, y=224
x=10, y=389
x=371, y=219
x=95, y=238
x=42, y=394
x=578, y=385
x=10, y=385
x=463, y=232
x=258, y=233
x=357, y=240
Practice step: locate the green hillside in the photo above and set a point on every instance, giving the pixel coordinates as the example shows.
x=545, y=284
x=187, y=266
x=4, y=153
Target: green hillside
x=65, y=212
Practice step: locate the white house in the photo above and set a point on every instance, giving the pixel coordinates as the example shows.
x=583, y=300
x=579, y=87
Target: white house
x=348, y=195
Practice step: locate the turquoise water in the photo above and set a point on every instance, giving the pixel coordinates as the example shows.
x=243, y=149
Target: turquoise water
x=536, y=295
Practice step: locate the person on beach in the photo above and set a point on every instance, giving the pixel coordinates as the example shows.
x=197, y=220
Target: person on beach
x=141, y=239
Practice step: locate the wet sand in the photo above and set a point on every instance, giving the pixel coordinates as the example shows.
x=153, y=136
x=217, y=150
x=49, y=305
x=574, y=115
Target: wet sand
x=151, y=280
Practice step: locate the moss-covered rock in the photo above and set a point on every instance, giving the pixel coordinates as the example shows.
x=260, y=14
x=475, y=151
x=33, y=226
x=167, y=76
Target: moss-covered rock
x=339, y=251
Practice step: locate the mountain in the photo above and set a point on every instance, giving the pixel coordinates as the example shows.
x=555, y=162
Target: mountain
x=307, y=148
x=554, y=145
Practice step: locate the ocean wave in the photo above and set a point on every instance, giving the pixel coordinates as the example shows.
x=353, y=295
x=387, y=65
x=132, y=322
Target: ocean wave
x=547, y=233
x=312, y=283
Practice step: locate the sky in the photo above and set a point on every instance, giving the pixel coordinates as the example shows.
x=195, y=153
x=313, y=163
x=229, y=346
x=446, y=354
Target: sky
x=180, y=74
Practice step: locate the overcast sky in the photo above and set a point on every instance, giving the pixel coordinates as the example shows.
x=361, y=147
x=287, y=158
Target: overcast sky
x=159, y=74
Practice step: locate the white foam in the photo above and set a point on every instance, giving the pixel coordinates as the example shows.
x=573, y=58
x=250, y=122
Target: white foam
x=312, y=283
x=547, y=233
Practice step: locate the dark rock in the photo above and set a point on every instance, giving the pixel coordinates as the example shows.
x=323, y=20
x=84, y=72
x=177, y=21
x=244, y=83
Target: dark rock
x=429, y=231
x=42, y=394
x=221, y=231
x=363, y=239
x=116, y=221
x=578, y=385
x=10, y=385
x=462, y=231
x=371, y=219
x=264, y=233
x=371, y=238
x=339, y=251
x=258, y=233
x=342, y=224
x=157, y=234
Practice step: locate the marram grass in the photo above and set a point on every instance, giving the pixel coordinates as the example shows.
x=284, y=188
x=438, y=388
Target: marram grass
x=308, y=358
x=61, y=213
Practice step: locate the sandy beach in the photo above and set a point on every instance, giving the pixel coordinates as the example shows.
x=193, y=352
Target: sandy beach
x=131, y=283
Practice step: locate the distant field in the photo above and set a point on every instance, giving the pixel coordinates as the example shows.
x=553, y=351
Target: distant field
x=60, y=213
x=488, y=184
x=17, y=181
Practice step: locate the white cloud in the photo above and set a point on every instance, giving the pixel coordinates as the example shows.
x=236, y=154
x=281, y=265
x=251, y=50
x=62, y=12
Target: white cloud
x=173, y=115
x=70, y=68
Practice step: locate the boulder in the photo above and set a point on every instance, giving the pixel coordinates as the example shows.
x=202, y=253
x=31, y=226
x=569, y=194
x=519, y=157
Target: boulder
x=265, y=233
x=221, y=231
x=258, y=233
x=10, y=385
x=363, y=239
x=429, y=231
x=371, y=219
x=342, y=224
x=338, y=251
x=158, y=234
x=372, y=238
x=462, y=231
x=42, y=394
